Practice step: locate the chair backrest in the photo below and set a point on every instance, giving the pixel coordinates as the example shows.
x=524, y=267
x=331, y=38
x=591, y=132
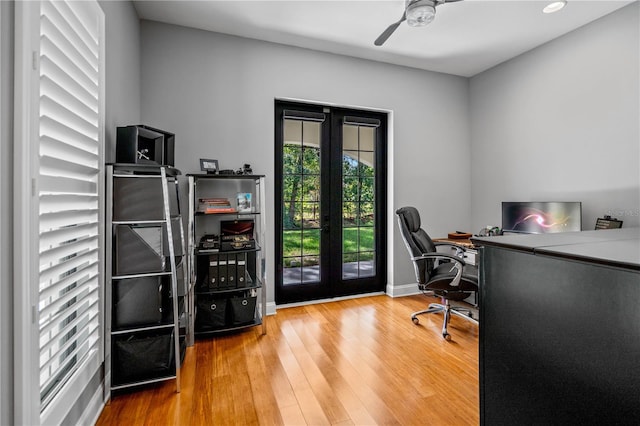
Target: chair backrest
x=416, y=240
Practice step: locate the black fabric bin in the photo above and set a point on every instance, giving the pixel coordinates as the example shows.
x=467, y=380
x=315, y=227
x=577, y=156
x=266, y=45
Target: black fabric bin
x=143, y=357
x=141, y=198
x=211, y=312
x=243, y=309
x=144, y=248
x=137, y=301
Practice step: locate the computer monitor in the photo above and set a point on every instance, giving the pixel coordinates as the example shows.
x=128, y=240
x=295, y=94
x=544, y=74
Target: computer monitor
x=541, y=217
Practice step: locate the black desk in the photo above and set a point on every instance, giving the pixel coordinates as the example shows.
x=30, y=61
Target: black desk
x=560, y=328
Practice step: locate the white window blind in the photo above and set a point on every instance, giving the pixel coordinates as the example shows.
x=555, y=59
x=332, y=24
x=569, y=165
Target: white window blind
x=69, y=188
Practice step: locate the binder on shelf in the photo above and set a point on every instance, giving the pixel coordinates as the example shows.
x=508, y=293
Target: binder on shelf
x=241, y=270
x=213, y=272
x=231, y=270
x=222, y=271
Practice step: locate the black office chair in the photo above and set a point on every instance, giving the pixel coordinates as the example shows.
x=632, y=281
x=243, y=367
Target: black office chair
x=444, y=275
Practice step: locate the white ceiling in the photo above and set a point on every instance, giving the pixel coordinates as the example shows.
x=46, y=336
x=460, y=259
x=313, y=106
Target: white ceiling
x=466, y=37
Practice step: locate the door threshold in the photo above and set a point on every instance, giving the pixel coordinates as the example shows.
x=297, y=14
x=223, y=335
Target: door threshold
x=331, y=299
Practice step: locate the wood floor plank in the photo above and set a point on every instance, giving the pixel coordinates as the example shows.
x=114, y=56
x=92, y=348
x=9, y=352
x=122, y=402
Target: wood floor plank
x=351, y=362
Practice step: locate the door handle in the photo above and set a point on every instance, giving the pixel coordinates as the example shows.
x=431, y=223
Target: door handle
x=325, y=224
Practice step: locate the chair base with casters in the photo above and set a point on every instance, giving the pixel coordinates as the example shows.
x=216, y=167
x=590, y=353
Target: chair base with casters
x=437, y=273
x=447, y=310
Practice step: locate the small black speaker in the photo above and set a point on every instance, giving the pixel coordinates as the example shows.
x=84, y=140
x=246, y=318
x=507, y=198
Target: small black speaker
x=139, y=144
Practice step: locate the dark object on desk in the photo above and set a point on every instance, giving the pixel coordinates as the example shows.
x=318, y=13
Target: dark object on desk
x=458, y=235
x=453, y=280
x=489, y=231
x=227, y=172
x=608, y=222
x=140, y=144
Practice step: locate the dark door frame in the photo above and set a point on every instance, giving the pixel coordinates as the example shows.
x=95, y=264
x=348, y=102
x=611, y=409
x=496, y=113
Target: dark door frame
x=332, y=285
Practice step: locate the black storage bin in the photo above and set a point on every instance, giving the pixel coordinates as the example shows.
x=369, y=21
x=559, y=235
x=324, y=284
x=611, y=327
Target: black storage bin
x=143, y=357
x=144, y=248
x=139, y=249
x=243, y=309
x=140, y=198
x=142, y=144
x=202, y=273
x=138, y=301
x=211, y=312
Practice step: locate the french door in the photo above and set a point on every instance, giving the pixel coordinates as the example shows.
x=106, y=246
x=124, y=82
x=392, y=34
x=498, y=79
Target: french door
x=330, y=202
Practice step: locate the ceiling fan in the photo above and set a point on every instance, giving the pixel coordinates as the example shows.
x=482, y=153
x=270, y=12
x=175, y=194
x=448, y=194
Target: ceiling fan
x=417, y=13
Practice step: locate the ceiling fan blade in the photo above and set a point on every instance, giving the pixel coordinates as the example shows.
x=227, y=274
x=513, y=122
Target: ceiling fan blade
x=390, y=29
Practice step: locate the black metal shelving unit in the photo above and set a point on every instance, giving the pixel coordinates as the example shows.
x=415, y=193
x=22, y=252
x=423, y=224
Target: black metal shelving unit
x=146, y=294
x=221, y=308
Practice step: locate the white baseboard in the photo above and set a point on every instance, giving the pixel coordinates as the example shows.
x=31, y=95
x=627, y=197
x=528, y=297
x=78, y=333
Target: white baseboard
x=93, y=410
x=333, y=299
x=402, y=290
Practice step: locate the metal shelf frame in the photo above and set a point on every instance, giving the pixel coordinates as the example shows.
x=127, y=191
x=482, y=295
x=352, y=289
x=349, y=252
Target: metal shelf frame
x=165, y=176
x=260, y=235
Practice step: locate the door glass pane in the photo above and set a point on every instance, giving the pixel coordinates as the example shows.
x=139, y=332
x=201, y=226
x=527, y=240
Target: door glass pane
x=358, y=202
x=301, y=195
x=292, y=215
x=350, y=138
x=349, y=163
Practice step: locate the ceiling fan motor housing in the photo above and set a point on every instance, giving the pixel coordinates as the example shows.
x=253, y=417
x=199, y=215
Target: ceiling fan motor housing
x=420, y=12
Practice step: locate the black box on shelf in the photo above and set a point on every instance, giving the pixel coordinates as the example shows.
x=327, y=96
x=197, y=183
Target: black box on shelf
x=139, y=357
x=237, y=235
x=141, y=198
x=243, y=309
x=140, y=144
x=211, y=312
x=138, y=301
x=144, y=248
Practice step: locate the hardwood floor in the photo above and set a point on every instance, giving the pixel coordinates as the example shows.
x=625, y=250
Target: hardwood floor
x=353, y=362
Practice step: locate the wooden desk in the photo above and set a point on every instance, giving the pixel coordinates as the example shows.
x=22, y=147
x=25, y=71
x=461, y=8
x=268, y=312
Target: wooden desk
x=465, y=242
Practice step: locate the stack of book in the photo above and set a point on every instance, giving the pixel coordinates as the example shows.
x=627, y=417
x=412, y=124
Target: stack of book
x=215, y=205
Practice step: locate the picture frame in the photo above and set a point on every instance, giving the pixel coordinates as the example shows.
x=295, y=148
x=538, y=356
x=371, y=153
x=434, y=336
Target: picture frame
x=243, y=202
x=209, y=166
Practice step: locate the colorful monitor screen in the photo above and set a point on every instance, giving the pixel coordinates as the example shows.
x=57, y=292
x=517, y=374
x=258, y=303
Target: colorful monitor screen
x=541, y=217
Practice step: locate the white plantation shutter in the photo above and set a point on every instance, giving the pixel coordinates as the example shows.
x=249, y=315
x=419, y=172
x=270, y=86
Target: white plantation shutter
x=69, y=185
x=67, y=133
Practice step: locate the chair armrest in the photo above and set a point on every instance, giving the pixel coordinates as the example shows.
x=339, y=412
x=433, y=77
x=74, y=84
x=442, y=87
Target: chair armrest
x=458, y=263
x=459, y=249
x=455, y=259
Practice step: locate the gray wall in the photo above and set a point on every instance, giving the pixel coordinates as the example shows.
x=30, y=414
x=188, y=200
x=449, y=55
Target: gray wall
x=123, y=70
x=216, y=93
x=561, y=123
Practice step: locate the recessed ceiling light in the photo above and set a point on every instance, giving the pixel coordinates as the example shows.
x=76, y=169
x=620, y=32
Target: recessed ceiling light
x=554, y=7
